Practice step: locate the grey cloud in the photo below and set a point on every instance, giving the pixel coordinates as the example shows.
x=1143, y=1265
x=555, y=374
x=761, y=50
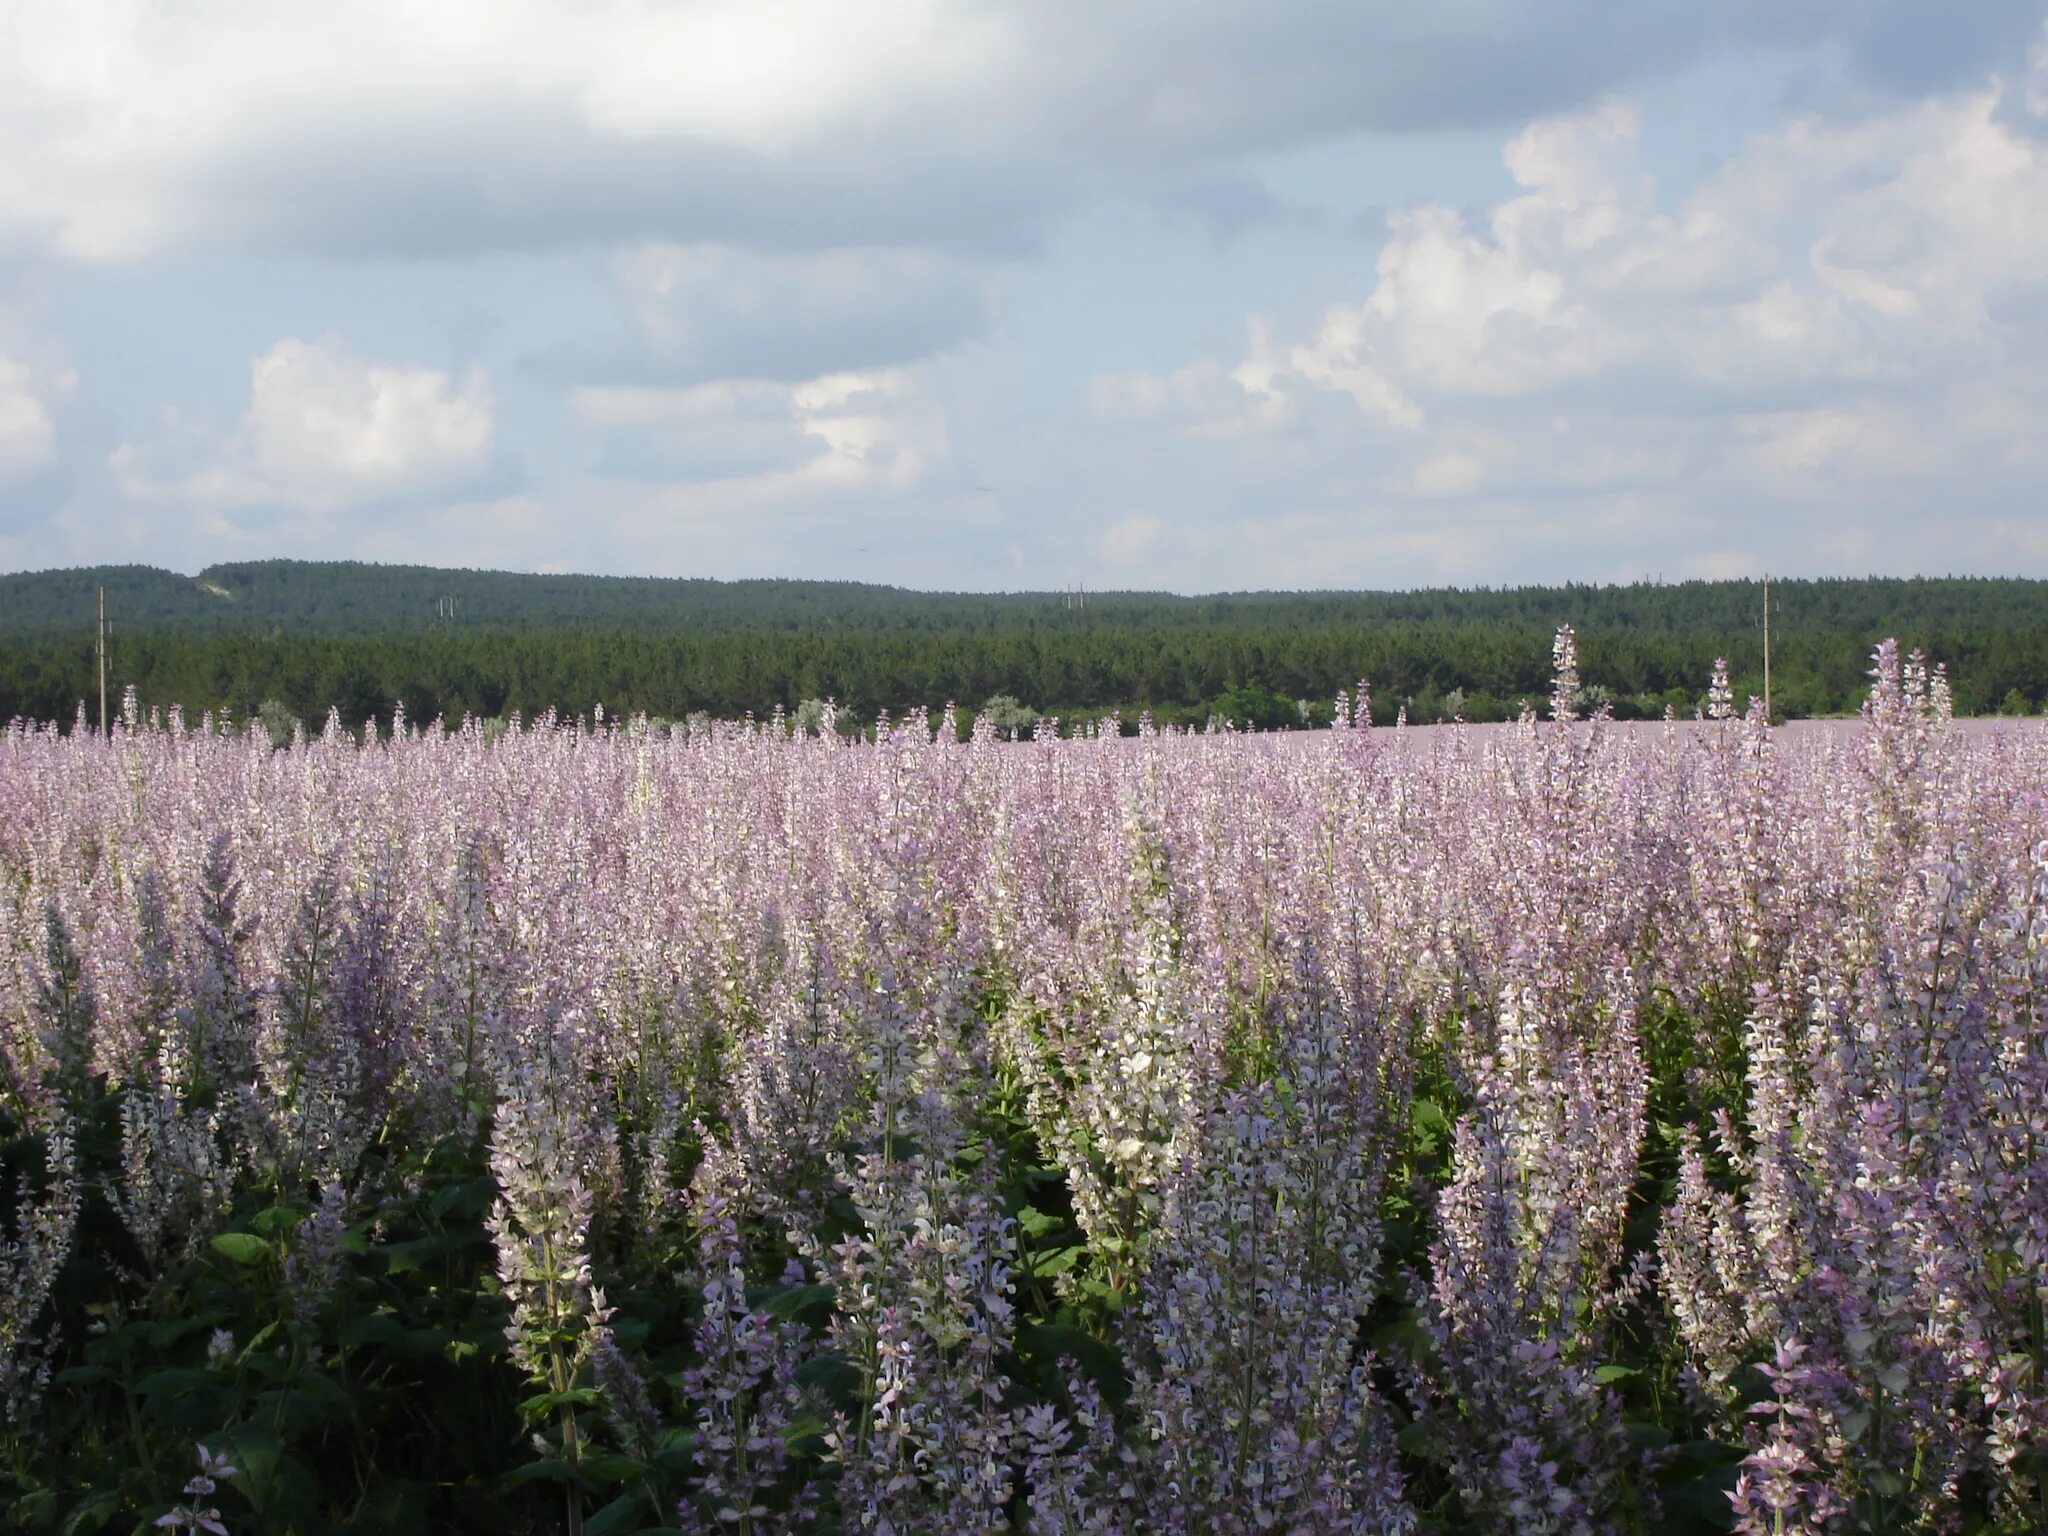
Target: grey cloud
x=700, y=313
x=1910, y=46
x=1215, y=77
x=1862, y=348
x=452, y=187
x=460, y=152
x=717, y=449
x=1227, y=205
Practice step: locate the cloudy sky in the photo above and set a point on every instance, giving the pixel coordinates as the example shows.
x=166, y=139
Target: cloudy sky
x=978, y=294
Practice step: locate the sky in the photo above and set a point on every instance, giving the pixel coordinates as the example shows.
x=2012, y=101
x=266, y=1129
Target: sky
x=979, y=295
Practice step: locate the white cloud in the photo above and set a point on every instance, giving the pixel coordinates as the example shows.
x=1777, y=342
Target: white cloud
x=1201, y=397
x=1871, y=263
x=779, y=77
x=327, y=429
x=1130, y=543
x=1828, y=355
x=867, y=437
x=1447, y=474
x=713, y=310
x=837, y=431
x=325, y=426
x=632, y=406
x=28, y=435
x=129, y=128
x=1894, y=240
x=2037, y=73
x=817, y=221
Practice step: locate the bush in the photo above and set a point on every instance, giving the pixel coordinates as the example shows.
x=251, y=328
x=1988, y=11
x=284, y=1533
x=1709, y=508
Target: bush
x=1252, y=706
x=1010, y=718
x=275, y=718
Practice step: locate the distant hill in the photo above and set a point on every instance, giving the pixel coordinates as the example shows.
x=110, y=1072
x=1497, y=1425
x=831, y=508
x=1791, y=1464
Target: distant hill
x=305, y=636
x=346, y=597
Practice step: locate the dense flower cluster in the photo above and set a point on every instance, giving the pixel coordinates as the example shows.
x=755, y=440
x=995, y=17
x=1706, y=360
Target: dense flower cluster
x=1384, y=1107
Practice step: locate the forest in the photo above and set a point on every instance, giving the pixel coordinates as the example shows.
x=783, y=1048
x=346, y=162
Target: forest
x=303, y=637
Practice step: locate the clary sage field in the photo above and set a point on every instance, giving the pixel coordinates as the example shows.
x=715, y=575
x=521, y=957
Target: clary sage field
x=601, y=1129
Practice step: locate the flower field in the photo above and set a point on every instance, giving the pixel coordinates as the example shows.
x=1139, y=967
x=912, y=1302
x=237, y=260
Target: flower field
x=603, y=1130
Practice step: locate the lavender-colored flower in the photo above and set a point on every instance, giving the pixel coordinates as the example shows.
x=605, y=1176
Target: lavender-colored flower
x=30, y=1262
x=1193, y=974
x=744, y=1380
x=191, y=1516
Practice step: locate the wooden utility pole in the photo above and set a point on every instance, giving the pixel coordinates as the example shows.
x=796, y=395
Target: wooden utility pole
x=1767, y=645
x=103, y=661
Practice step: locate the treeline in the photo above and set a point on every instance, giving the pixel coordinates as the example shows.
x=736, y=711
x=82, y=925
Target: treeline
x=349, y=598
x=1283, y=669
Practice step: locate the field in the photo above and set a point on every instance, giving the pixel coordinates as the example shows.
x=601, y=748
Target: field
x=1565, y=1128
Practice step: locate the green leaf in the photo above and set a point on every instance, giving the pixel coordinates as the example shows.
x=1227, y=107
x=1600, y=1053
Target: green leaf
x=549, y=1469
x=609, y=1468
x=630, y=1333
x=1691, y=1456
x=1418, y=1442
x=83, y=1376
x=416, y=1343
x=1035, y=1223
x=675, y=1451
x=542, y=1404
x=94, y=1513
x=1057, y=1262
x=117, y=1345
x=242, y=1247
x=261, y=1339
x=377, y=1328
x=274, y=1221
x=175, y=1382
x=1402, y=1334
x=833, y=1377
x=282, y=1489
x=1044, y=1344
x=1430, y=1123
x=792, y=1301
x=397, y=1507
x=328, y=1399
x=623, y=1516
x=471, y=1196
x=165, y=1332
x=1644, y=1436
x=403, y=1258
x=1607, y=1375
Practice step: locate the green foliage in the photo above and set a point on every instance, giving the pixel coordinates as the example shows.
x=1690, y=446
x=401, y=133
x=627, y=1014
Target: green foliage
x=386, y=1406
x=278, y=722
x=1252, y=706
x=1013, y=719
x=358, y=638
x=390, y=1404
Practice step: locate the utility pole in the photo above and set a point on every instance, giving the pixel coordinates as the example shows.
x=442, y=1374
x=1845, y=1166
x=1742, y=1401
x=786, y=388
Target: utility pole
x=1767, y=645
x=103, y=660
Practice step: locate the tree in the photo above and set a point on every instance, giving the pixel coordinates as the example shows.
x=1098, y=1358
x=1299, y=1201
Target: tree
x=1009, y=717
x=1253, y=706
